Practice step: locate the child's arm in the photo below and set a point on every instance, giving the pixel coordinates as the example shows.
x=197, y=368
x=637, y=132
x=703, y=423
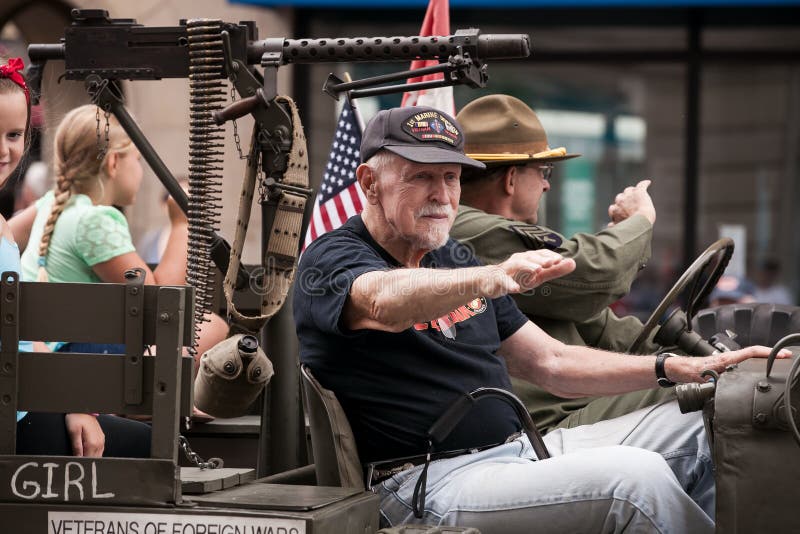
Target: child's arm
x=21, y=224
x=113, y=270
x=171, y=269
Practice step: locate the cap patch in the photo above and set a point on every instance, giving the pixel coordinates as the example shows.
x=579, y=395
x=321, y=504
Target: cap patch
x=432, y=126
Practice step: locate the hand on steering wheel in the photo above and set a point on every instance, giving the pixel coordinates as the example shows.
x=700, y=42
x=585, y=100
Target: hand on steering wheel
x=722, y=248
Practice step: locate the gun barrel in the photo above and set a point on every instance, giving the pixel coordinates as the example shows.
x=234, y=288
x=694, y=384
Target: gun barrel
x=490, y=46
x=159, y=53
x=45, y=52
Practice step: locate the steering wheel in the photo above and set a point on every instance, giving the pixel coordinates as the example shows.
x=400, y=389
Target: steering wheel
x=723, y=249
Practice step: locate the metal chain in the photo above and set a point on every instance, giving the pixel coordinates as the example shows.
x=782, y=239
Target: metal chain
x=261, y=182
x=106, y=114
x=196, y=459
x=102, y=149
x=100, y=152
x=236, y=138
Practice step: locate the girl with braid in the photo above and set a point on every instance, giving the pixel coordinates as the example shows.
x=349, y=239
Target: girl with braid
x=77, y=234
x=51, y=433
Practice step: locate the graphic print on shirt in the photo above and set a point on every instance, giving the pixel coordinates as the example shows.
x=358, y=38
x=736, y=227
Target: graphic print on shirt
x=462, y=313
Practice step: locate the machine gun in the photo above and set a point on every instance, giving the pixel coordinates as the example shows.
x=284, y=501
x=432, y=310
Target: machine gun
x=101, y=51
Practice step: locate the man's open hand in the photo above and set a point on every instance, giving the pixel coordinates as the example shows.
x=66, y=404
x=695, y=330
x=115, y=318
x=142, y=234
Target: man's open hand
x=524, y=271
x=689, y=369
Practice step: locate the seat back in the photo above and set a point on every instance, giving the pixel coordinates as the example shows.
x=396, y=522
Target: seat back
x=130, y=383
x=335, y=454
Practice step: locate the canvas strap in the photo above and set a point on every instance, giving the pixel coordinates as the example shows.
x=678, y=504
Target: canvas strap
x=280, y=259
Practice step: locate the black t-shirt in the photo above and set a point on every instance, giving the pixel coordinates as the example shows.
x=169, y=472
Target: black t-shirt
x=393, y=386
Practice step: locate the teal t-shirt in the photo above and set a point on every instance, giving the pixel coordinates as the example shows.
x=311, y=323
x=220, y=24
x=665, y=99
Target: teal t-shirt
x=84, y=236
x=9, y=261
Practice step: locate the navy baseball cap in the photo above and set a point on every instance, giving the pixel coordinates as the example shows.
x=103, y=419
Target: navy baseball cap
x=419, y=134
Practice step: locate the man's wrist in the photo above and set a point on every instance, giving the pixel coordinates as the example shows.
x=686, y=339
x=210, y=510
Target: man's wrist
x=647, y=214
x=491, y=281
x=661, y=371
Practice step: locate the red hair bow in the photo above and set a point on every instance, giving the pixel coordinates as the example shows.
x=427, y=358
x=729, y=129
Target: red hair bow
x=12, y=72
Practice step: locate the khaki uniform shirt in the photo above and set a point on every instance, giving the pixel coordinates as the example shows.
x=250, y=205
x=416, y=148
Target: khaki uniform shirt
x=573, y=308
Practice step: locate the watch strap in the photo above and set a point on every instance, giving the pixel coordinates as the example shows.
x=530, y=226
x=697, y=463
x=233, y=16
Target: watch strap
x=661, y=373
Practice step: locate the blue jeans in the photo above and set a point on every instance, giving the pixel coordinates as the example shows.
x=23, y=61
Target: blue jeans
x=648, y=471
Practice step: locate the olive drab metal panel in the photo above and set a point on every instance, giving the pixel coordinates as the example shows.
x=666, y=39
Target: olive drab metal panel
x=52, y=479
x=44, y=374
x=757, y=461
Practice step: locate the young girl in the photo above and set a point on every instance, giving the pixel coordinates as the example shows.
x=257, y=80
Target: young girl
x=78, y=235
x=46, y=433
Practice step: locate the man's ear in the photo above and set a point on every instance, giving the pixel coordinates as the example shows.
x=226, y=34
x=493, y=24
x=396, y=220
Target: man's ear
x=510, y=180
x=366, y=179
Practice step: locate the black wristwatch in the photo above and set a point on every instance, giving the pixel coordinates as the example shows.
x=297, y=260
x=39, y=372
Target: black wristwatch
x=661, y=374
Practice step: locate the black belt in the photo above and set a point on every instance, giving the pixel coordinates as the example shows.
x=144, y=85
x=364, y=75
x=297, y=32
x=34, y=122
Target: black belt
x=377, y=472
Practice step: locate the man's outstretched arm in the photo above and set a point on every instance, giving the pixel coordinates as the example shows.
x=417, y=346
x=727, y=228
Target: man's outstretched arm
x=397, y=299
x=571, y=371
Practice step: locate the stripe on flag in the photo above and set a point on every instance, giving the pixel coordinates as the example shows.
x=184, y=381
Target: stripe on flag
x=339, y=196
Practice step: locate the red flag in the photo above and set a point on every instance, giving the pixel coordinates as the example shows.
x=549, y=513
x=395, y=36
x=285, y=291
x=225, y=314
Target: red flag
x=437, y=22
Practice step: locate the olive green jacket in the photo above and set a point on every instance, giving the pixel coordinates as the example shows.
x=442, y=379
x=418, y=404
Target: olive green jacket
x=573, y=308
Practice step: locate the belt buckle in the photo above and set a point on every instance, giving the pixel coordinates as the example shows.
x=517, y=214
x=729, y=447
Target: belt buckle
x=375, y=475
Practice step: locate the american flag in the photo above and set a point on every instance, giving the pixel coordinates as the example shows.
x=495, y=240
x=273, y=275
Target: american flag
x=436, y=22
x=339, y=196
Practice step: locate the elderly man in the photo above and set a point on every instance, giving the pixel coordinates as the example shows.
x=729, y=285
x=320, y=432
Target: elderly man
x=498, y=217
x=400, y=321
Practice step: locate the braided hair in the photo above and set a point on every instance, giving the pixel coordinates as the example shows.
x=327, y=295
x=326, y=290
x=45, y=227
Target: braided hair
x=79, y=165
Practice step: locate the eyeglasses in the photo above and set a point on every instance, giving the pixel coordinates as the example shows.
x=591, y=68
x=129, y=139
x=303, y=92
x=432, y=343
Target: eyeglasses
x=546, y=170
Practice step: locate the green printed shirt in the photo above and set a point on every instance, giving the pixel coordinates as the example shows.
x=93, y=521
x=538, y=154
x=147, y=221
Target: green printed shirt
x=85, y=235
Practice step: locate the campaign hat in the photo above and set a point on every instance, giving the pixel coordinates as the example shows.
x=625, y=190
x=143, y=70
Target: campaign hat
x=503, y=130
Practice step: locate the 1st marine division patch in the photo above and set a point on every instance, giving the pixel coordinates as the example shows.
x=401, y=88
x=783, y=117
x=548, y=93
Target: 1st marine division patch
x=536, y=237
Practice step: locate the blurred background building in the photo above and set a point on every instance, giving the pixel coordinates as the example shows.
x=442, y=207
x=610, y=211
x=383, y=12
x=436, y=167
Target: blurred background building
x=701, y=96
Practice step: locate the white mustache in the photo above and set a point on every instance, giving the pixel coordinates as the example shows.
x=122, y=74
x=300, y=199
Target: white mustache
x=435, y=209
